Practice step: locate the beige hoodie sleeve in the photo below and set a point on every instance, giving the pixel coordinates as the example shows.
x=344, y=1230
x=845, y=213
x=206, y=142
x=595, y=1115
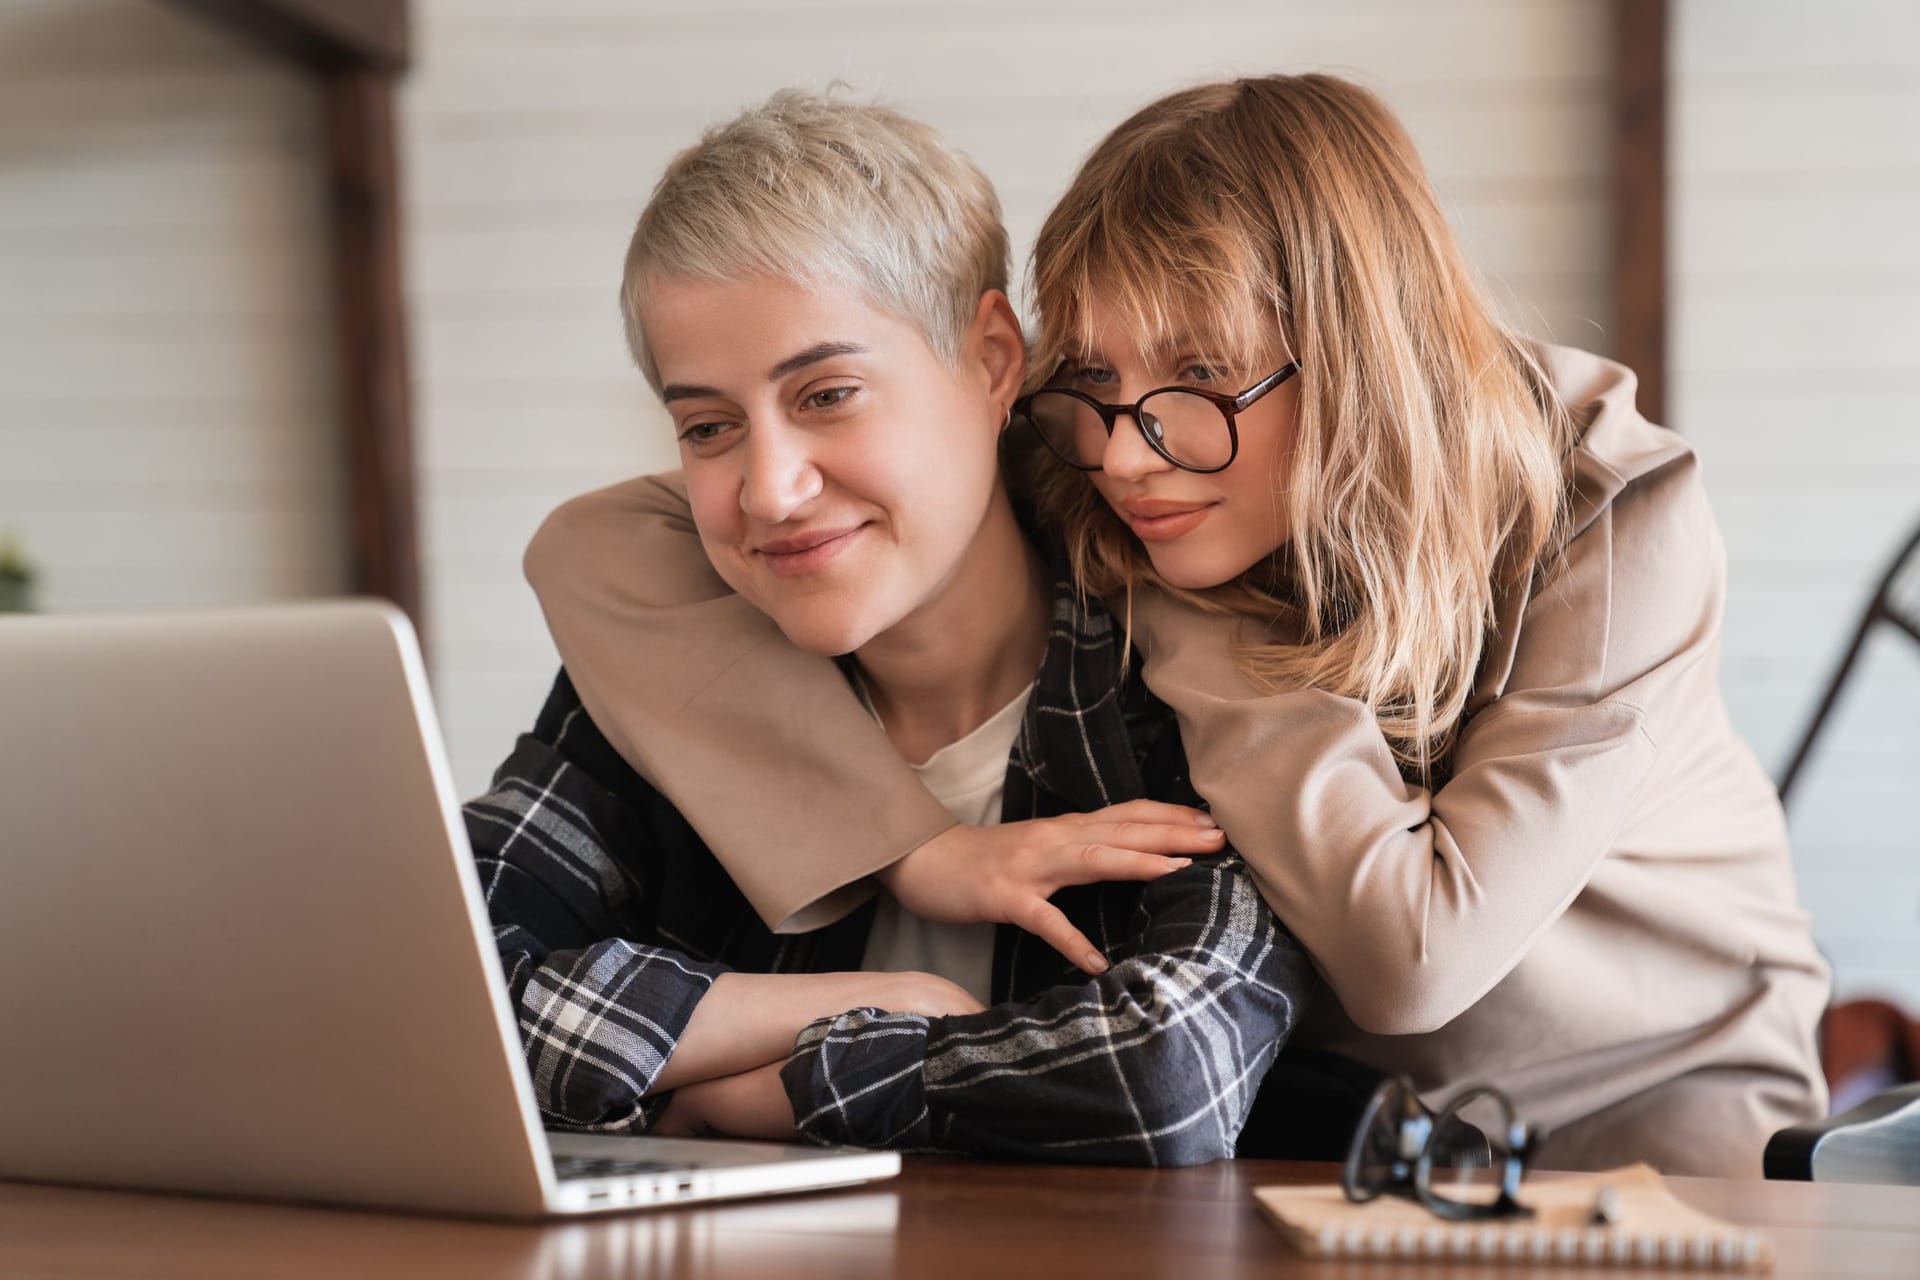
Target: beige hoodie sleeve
x=1414, y=903
x=764, y=749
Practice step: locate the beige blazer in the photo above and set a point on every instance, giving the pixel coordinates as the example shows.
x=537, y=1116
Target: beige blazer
x=1595, y=912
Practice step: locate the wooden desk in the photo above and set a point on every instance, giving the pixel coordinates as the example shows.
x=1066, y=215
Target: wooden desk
x=939, y=1218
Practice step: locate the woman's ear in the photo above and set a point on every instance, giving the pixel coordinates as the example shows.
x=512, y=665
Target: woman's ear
x=997, y=348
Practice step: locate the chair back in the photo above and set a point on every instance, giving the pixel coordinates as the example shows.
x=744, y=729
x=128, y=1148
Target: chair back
x=1896, y=602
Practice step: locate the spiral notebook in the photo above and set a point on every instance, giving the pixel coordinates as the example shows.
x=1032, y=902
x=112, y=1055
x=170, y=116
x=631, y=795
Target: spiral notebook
x=1650, y=1227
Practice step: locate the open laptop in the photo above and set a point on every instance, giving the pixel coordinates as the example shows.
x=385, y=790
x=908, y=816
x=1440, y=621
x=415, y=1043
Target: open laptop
x=243, y=943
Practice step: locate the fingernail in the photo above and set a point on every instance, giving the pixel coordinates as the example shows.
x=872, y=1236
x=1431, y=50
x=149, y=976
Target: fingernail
x=1214, y=833
x=1095, y=962
x=1174, y=864
x=1205, y=820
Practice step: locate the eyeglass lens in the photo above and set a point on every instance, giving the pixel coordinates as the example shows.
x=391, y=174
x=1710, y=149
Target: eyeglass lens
x=1188, y=428
x=1391, y=1136
x=1471, y=1154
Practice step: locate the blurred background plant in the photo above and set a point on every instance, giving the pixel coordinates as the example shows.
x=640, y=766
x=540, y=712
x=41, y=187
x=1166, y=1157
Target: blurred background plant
x=16, y=578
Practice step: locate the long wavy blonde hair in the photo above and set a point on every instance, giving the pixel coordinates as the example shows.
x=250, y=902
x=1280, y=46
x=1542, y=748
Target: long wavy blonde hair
x=1292, y=213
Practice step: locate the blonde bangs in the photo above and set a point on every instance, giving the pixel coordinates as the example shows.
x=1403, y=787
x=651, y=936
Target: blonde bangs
x=1164, y=263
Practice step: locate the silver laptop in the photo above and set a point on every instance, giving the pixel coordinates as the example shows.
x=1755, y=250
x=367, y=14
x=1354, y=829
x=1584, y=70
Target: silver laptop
x=243, y=949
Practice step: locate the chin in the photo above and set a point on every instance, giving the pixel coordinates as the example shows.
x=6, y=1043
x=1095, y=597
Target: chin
x=828, y=633
x=1190, y=569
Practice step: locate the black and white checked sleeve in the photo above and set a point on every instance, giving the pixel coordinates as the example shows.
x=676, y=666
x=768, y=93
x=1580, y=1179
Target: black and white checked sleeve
x=1155, y=1062
x=601, y=1001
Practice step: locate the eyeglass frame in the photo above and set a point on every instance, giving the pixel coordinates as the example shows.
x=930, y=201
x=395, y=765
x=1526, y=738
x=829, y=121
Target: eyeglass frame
x=1111, y=413
x=1523, y=1143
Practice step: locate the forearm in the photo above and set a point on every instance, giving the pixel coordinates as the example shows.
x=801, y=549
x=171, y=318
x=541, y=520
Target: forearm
x=1105, y=1074
x=751, y=1104
x=750, y=1020
x=1155, y=1062
x=1412, y=902
x=601, y=1000
x=1414, y=923
x=599, y=1024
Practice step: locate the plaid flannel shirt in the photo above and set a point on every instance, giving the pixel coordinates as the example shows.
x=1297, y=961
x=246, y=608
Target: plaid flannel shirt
x=613, y=919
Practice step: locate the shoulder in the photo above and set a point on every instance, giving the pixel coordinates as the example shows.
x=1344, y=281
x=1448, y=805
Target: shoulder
x=1636, y=498
x=569, y=737
x=1621, y=464
x=597, y=528
x=1642, y=570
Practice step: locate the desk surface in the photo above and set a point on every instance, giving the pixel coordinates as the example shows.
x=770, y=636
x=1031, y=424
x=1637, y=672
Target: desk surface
x=939, y=1218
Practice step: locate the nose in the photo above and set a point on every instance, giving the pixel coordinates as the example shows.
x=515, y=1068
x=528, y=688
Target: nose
x=781, y=476
x=1128, y=456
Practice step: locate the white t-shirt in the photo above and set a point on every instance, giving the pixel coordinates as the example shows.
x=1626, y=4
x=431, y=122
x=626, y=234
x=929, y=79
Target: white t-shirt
x=968, y=777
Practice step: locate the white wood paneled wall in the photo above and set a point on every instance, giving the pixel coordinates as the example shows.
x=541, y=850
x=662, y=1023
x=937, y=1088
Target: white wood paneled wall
x=165, y=418
x=166, y=355
x=536, y=130
x=1796, y=372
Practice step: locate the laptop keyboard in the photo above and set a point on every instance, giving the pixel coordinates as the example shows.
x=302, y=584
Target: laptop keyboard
x=600, y=1167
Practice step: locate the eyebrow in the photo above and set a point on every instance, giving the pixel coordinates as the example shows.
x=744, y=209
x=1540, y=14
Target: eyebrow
x=792, y=364
x=813, y=355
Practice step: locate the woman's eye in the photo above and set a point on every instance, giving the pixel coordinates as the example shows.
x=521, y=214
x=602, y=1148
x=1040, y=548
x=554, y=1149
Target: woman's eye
x=1094, y=376
x=698, y=434
x=1202, y=373
x=828, y=397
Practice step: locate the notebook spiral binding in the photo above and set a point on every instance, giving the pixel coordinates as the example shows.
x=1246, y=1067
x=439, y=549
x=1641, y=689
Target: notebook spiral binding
x=1599, y=1245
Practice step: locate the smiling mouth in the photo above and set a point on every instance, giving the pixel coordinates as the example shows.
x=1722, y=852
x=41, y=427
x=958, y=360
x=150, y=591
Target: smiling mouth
x=806, y=553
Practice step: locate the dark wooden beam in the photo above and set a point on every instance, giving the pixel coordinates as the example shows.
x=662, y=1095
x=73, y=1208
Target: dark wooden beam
x=363, y=181
x=323, y=34
x=358, y=48
x=1640, y=29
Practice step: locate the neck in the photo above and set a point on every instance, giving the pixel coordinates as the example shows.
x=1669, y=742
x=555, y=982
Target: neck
x=971, y=649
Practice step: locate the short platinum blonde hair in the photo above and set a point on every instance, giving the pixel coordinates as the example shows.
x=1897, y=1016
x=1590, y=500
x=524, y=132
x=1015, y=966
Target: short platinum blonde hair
x=816, y=189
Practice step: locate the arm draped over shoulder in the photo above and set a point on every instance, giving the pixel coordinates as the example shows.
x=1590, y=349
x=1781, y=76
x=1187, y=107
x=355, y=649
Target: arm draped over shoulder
x=1413, y=903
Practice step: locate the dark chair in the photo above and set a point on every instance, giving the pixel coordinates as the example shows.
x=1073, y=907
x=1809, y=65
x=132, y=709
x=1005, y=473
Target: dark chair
x=1897, y=603
x=1879, y=1140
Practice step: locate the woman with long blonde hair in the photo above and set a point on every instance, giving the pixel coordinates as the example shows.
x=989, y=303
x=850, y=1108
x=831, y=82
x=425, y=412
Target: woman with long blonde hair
x=1419, y=454
x=1438, y=612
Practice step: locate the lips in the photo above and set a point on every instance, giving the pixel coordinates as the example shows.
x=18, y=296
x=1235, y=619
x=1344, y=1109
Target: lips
x=808, y=551
x=1162, y=519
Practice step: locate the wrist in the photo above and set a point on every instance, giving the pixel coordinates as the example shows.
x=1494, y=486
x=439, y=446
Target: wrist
x=890, y=877
x=858, y=1079
x=682, y=1116
x=828, y=995
x=753, y=1104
